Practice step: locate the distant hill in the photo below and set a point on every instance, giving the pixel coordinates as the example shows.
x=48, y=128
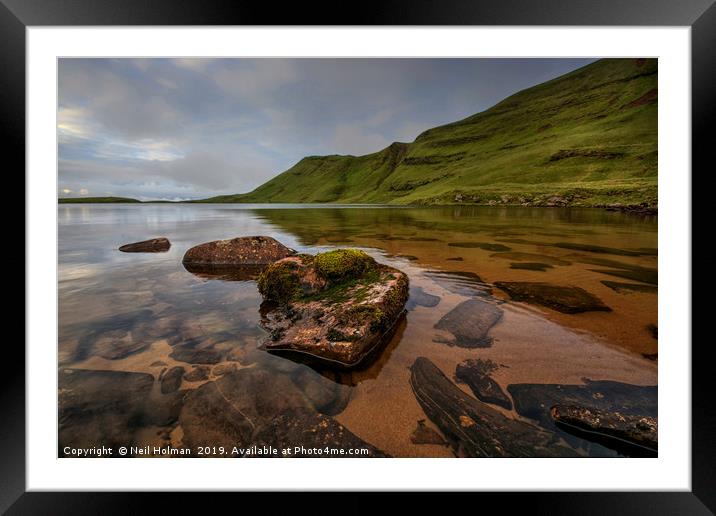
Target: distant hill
x=587, y=138
x=89, y=200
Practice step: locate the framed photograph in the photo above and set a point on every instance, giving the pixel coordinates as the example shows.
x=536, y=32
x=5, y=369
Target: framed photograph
x=424, y=252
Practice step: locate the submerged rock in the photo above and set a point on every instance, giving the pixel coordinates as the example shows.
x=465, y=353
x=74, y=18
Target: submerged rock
x=308, y=434
x=326, y=396
x=612, y=428
x=171, y=380
x=460, y=282
x=335, y=307
x=241, y=251
x=599, y=249
x=644, y=275
x=154, y=245
x=531, y=266
x=253, y=406
x=618, y=286
x=197, y=374
x=423, y=434
x=474, y=428
x=418, y=297
x=476, y=374
x=565, y=299
x=101, y=407
x=535, y=400
x=487, y=246
x=469, y=323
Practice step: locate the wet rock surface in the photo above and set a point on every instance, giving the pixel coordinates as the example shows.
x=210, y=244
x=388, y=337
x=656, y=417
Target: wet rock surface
x=241, y=251
x=475, y=373
x=469, y=323
x=613, y=429
x=487, y=246
x=277, y=413
x=460, y=282
x=599, y=249
x=418, y=297
x=650, y=276
x=154, y=245
x=534, y=401
x=307, y=432
x=531, y=266
x=171, y=380
x=326, y=396
x=336, y=307
x=474, y=428
x=531, y=257
x=565, y=299
x=423, y=434
x=618, y=286
x=197, y=374
x=107, y=407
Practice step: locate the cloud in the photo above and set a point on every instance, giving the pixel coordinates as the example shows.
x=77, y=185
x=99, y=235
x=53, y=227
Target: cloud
x=196, y=127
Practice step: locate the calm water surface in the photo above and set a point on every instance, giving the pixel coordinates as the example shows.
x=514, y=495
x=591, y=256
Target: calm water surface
x=132, y=312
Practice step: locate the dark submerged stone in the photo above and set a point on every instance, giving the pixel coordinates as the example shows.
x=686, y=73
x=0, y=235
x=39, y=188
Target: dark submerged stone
x=171, y=380
x=418, y=297
x=154, y=245
x=476, y=374
x=535, y=400
x=565, y=299
x=618, y=286
x=474, y=428
x=469, y=323
x=460, y=282
x=531, y=266
x=423, y=434
x=612, y=429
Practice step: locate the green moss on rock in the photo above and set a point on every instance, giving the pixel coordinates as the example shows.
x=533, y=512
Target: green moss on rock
x=343, y=264
x=280, y=282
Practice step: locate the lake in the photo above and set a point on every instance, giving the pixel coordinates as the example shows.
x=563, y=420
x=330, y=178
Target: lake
x=124, y=316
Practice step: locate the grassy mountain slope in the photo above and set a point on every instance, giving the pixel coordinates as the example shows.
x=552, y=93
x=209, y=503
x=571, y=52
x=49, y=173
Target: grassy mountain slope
x=586, y=138
x=94, y=200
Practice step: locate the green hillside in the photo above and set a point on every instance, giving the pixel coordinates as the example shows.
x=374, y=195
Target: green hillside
x=587, y=138
x=94, y=200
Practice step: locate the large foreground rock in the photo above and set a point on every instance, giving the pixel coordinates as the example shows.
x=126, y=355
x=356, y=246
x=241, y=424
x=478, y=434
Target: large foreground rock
x=469, y=323
x=474, y=428
x=535, y=401
x=336, y=307
x=565, y=299
x=253, y=406
x=242, y=251
x=613, y=428
x=110, y=408
x=154, y=245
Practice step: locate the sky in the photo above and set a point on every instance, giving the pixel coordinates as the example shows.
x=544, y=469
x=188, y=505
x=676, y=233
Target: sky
x=176, y=129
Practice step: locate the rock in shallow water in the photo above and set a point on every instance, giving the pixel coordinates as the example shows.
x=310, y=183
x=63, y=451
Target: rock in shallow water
x=253, y=406
x=423, y=434
x=612, y=428
x=476, y=374
x=252, y=250
x=154, y=245
x=565, y=299
x=336, y=307
x=418, y=297
x=469, y=322
x=171, y=380
x=535, y=400
x=474, y=428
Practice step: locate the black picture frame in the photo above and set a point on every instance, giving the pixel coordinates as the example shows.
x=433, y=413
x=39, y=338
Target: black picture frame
x=700, y=15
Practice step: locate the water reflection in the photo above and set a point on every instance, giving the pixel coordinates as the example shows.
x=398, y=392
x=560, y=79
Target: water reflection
x=127, y=320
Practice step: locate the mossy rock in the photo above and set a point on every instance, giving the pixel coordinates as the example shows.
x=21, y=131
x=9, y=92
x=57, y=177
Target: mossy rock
x=336, y=307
